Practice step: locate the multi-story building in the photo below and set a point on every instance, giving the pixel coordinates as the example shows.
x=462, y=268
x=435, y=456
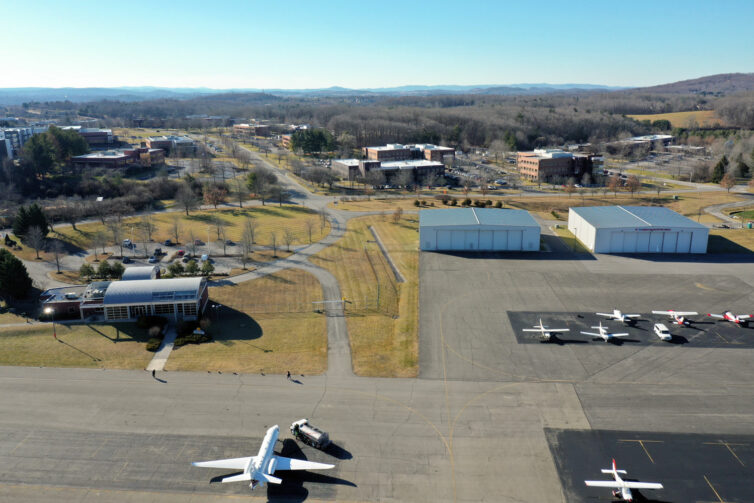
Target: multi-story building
x=6, y=151
x=114, y=159
x=17, y=137
x=399, y=152
x=554, y=164
x=173, y=145
x=420, y=169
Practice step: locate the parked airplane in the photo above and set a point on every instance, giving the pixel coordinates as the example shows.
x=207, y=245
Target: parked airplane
x=740, y=319
x=618, y=316
x=679, y=317
x=622, y=487
x=259, y=468
x=604, y=333
x=545, y=332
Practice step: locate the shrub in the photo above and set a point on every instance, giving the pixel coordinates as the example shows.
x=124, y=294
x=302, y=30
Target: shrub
x=466, y=202
x=498, y=204
x=489, y=202
x=417, y=203
x=153, y=344
x=453, y=202
x=444, y=201
x=155, y=332
x=151, y=321
x=192, y=338
x=184, y=327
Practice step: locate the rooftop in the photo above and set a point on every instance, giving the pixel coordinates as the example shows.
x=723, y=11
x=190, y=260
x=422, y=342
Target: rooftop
x=419, y=163
x=139, y=272
x=349, y=162
x=105, y=154
x=476, y=216
x=154, y=290
x=608, y=217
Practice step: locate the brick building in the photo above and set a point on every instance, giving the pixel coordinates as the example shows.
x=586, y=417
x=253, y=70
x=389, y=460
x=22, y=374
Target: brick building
x=555, y=165
x=115, y=159
x=399, y=152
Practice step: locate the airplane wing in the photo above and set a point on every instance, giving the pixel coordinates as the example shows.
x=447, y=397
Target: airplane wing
x=269, y=478
x=533, y=330
x=618, y=335
x=669, y=313
x=642, y=485
x=592, y=334
x=744, y=317
x=677, y=313
x=282, y=463
x=716, y=315
x=609, y=315
x=234, y=463
x=603, y=483
x=632, y=315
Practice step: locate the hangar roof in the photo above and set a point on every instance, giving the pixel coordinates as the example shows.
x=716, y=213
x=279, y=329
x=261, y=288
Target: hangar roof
x=147, y=291
x=476, y=216
x=140, y=272
x=611, y=217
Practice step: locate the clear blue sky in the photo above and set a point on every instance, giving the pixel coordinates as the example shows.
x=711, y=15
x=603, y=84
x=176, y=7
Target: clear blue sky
x=320, y=43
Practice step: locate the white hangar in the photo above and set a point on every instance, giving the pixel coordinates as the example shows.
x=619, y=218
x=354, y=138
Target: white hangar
x=477, y=229
x=636, y=229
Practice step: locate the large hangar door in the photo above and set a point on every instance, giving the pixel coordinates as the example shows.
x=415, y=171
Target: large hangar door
x=472, y=240
x=456, y=240
x=500, y=240
x=684, y=242
x=629, y=242
x=485, y=240
x=642, y=242
x=616, y=242
x=514, y=239
x=444, y=241
x=655, y=242
x=669, y=241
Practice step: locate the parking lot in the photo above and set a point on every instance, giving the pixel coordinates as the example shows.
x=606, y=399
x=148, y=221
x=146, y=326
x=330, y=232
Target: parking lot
x=691, y=467
x=702, y=333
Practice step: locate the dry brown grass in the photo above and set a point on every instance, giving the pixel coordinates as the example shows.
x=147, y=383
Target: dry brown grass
x=70, y=277
x=266, y=325
x=100, y=346
x=381, y=345
x=704, y=118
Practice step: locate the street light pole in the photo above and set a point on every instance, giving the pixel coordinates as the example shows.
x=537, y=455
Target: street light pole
x=51, y=312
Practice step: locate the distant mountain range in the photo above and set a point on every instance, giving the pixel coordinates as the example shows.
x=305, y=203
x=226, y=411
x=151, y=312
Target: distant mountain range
x=714, y=84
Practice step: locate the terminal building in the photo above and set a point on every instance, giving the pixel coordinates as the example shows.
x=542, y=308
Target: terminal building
x=477, y=229
x=636, y=229
x=550, y=165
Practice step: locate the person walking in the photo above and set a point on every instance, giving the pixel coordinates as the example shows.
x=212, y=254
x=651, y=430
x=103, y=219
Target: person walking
x=153, y=374
x=289, y=375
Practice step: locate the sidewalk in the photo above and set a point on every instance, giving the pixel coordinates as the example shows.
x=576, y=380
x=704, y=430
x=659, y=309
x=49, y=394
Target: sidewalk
x=163, y=353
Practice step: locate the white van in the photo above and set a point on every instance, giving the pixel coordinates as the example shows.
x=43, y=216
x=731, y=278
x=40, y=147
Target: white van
x=662, y=332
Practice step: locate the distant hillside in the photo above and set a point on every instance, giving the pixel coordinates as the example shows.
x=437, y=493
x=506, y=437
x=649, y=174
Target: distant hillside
x=724, y=83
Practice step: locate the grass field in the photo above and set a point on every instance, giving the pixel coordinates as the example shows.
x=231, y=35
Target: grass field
x=731, y=241
x=384, y=337
x=100, y=346
x=269, y=219
x=265, y=325
x=570, y=240
x=704, y=118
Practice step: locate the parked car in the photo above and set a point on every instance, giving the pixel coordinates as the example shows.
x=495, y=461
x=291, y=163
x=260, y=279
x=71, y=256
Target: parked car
x=153, y=259
x=180, y=253
x=126, y=260
x=228, y=242
x=204, y=257
x=185, y=259
x=157, y=251
x=198, y=242
x=127, y=243
x=168, y=242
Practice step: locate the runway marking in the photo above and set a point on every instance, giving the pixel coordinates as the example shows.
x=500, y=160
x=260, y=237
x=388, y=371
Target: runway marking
x=447, y=403
x=723, y=338
x=641, y=443
x=713, y=490
x=705, y=287
x=727, y=445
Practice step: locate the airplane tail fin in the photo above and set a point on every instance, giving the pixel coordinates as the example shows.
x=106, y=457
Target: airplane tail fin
x=269, y=478
x=237, y=478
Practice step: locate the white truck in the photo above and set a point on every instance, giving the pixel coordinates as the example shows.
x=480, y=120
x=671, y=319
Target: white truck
x=662, y=332
x=308, y=434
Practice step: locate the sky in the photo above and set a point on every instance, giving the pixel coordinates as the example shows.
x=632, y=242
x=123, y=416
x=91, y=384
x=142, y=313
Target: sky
x=298, y=44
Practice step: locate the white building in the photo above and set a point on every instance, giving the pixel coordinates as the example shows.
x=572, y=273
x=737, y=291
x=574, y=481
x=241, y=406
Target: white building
x=177, y=298
x=478, y=229
x=636, y=229
x=141, y=272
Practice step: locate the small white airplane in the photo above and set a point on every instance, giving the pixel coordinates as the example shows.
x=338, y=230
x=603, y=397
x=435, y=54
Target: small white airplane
x=740, y=319
x=259, y=469
x=678, y=317
x=544, y=331
x=606, y=336
x=622, y=487
x=618, y=316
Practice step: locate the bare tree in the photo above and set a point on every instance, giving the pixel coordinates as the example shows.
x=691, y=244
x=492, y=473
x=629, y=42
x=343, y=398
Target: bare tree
x=247, y=245
x=274, y=243
x=397, y=214
x=309, y=228
x=191, y=245
x=147, y=225
x=614, y=184
x=36, y=239
x=288, y=238
x=117, y=232
x=241, y=191
x=186, y=198
x=58, y=251
x=322, y=219
x=175, y=226
x=250, y=228
x=98, y=241
x=728, y=181
x=633, y=184
x=570, y=187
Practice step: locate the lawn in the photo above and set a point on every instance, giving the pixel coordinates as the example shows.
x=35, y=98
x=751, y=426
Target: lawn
x=731, y=241
x=266, y=325
x=119, y=346
x=703, y=118
x=570, y=240
x=269, y=219
x=384, y=333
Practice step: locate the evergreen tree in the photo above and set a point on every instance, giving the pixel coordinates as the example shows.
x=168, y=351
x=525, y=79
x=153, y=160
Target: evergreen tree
x=14, y=279
x=718, y=172
x=26, y=218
